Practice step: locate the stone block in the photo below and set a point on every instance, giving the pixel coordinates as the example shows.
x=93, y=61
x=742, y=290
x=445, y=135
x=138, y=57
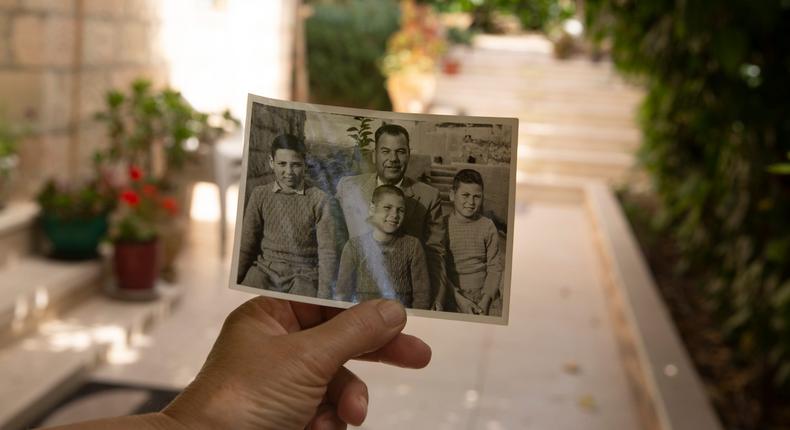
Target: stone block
x=103, y=8
x=94, y=85
x=99, y=42
x=55, y=148
x=57, y=6
x=93, y=136
x=43, y=41
x=4, y=42
x=56, y=108
x=29, y=178
x=144, y=10
x=21, y=93
x=8, y=4
x=135, y=46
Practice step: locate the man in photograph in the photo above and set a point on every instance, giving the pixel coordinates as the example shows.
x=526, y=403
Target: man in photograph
x=423, y=216
x=288, y=234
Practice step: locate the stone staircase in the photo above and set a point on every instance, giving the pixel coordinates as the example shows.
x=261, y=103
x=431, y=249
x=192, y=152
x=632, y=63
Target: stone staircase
x=56, y=325
x=576, y=117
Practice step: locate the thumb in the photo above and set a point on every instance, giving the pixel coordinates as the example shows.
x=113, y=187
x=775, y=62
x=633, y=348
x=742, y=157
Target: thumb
x=363, y=328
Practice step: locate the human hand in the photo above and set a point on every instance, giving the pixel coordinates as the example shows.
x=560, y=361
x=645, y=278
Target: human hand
x=280, y=365
x=437, y=306
x=464, y=304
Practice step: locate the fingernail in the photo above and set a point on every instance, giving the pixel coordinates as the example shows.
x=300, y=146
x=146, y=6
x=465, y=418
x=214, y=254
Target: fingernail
x=392, y=313
x=363, y=404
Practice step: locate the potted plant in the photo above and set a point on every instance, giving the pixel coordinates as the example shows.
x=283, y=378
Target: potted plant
x=135, y=230
x=412, y=56
x=74, y=217
x=8, y=159
x=160, y=132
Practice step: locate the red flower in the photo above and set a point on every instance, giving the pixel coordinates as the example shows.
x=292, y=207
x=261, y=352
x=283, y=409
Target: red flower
x=135, y=173
x=170, y=205
x=149, y=190
x=130, y=197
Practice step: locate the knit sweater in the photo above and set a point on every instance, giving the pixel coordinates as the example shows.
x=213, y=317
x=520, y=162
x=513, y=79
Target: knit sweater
x=393, y=270
x=473, y=247
x=290, y=228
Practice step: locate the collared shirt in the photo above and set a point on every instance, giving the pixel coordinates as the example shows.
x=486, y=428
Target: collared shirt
x=277, y=188
x=379, y=182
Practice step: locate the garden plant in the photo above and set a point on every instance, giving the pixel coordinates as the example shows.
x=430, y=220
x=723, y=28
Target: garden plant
x=716, y=131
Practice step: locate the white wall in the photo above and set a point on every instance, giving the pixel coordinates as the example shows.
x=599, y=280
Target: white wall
x=219, y=50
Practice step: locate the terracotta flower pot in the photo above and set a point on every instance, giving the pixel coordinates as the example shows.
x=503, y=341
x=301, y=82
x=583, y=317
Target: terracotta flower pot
x=136, y=265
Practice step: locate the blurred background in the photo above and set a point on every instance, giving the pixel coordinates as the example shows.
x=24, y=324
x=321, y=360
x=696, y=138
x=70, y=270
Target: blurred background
x=652, y=221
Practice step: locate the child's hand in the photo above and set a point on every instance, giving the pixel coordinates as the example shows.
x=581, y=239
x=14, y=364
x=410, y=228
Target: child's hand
x=464, y=305
x=437, y=306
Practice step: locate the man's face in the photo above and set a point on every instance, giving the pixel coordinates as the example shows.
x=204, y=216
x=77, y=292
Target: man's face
x=288, y=166
x=387, y=213
x=391, y=158
x=467, y=199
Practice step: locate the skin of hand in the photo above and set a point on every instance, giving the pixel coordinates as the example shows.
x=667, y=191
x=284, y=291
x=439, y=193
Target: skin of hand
x=280, y=365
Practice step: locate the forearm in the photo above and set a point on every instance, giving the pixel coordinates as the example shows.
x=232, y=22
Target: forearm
x=251, y=235
x=491, y=285
x=421, y=283
x=437, y=272
x=346, y=281
x=326, y=236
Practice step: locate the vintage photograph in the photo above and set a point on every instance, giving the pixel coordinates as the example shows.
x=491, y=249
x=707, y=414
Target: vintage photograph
x=340, y=205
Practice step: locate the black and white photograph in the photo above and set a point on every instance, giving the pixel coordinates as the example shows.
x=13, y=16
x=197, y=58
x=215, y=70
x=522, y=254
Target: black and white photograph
x=339, y=205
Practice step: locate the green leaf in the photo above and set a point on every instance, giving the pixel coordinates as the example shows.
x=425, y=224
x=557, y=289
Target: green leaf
x=350, y=129
x=779, y=169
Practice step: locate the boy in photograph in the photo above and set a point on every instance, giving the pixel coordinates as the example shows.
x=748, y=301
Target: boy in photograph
x=288, y=234
x=385, y=263
x=423, y=205
x=475, y=263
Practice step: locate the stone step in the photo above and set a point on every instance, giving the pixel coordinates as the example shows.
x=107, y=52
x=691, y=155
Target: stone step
x=17, y=222
x=442, y=172
x=580, y=119
x=44, y=368
x=548, y=112
x=613, y=168
x=442, y=180
x=544, y=135
x=542, y=89
x=34, y=287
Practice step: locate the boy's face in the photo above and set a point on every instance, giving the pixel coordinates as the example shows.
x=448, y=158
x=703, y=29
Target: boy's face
x=387, y=213
x=391, y=157
x=288, y=166
x=467, y=199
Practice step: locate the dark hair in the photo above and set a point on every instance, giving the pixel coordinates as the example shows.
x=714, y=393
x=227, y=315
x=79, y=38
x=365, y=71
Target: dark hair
x=392, y=130
x=289, y=141
x=386, y=189
x=467, y=176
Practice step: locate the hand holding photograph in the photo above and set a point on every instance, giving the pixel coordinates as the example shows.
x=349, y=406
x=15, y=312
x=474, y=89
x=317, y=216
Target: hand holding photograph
x=341, y=205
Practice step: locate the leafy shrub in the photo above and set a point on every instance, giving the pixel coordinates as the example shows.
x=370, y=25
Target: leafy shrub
x=345, y=40
x=715, y=117
x=533, y=14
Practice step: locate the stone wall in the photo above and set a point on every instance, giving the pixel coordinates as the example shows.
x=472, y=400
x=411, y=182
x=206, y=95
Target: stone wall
x=57, y=60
